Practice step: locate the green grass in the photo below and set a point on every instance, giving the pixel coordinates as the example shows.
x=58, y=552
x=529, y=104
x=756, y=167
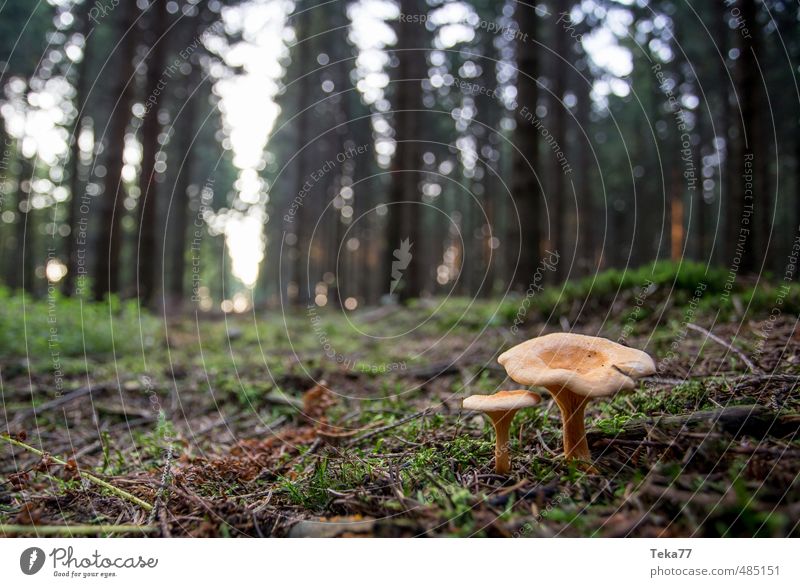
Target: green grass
x=69, y=327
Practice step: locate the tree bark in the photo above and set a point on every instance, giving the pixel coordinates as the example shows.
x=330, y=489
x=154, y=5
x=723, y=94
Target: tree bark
x=750, y=201
x=109, y=242
x=405, y=214
x=559, y=109
x=304, y=51
x=185, y=131
x=524, y=226
x=147, y=258
x=583, y=183
x=699, y=193
x=727, y=169
x=20, y=273
x=75, y=184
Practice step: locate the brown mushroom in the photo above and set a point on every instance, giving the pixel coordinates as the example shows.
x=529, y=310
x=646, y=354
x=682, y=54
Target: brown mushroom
x=575, y=368
x=501, y=408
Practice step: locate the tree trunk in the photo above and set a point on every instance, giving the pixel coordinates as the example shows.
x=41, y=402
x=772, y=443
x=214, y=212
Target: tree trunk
x=699, y=196
x=559, y=226
x=727, y=225
x=304, y=157
x=759, y=122
x=490, y=112
x=405, y=213
x=75, y=185
x=583, y=183
x=750, y=198
x=185, y=132
x=109, y=241
x=6, y=152
x=20, y=273
x=524, y=226
x=147, y=259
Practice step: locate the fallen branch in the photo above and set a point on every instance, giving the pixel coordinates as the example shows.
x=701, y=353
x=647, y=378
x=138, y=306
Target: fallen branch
x=78, y=530
x=727, y=345
x=683, y=497
x=768, y=377
x=96, y=480
x=752, y=420
x=63, y=400
x=663, y=380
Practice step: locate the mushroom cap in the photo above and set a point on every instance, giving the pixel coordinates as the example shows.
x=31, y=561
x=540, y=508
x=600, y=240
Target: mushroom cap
x=502, y=401
x=586, y=365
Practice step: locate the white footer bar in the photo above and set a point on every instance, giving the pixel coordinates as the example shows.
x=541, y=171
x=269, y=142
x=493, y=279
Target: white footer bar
x=400, y=562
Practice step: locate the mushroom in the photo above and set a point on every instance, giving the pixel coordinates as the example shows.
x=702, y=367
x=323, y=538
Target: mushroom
x=575, y=368
x=501, y=407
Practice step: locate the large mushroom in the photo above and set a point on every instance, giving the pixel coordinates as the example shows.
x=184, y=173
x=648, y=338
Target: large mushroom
x=575, y=368
x=501, y=408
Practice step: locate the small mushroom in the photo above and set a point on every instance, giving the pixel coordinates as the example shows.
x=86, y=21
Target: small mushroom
x=501, y=407
x=575, y=368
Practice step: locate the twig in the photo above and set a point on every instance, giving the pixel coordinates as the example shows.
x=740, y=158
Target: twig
x=771, y=377
x=221, y=421
x=60, y=401
x=727, y=345
x=663, y=380
x=115, y=490
x=543, y=443
x=382, y=429
x=162, y=488
x=78, y=530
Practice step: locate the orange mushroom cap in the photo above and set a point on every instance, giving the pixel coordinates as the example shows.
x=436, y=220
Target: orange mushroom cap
x=586, y=365
x=502, y=401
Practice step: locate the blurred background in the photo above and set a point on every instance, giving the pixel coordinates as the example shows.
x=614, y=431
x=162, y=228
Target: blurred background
x=222, y=155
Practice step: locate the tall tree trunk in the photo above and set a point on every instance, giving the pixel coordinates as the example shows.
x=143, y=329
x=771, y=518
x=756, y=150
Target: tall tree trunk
x=490, y=112
x=6, y=153
x=75, y=185
x=147, y=258
x=676, y=220
x=20, y=273
x=524, y=226
x=583, y=183
x=559, y=224
x=405, y=213
x=700, y=206
x=109, y=241
x=759, y=123
x=185, y=130
x=304, y=159
x=796, y=183
x=727, y=224
x=750, y=198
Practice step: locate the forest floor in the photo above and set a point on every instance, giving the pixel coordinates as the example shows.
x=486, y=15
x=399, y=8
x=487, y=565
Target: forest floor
x=273, y=424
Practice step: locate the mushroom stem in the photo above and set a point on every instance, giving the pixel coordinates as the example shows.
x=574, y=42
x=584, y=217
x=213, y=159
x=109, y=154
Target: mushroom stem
x=572, y=407
x=502, y=423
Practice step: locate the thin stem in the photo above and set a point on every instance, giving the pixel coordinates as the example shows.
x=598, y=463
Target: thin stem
x=502, y=423
x=96, y=480
x=572, y=408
